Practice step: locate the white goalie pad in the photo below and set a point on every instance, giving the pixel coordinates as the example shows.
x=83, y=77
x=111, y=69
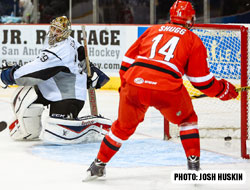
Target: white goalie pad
x=84, y=130
x=27, y=122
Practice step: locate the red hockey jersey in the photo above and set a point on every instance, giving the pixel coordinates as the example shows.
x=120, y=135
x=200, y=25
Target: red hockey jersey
x=162, y=55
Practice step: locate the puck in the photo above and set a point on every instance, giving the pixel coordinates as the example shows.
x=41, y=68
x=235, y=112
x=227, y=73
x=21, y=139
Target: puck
x=228, y=138
x=3, y=125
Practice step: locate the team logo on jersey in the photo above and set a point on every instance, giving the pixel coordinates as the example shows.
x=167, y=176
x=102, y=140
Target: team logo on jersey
x=138, y=80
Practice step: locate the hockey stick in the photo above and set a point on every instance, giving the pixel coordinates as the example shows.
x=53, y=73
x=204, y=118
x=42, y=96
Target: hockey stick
x=3, y=125
x=244, y=88
x=91, y=90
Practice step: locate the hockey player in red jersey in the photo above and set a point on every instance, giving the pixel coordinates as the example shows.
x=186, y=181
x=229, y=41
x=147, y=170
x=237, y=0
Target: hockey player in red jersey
x=151, y=75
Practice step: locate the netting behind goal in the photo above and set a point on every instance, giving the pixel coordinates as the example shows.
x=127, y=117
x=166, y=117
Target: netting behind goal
x=228, y=58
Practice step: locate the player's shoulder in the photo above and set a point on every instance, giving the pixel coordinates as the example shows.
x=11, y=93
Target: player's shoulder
x=195, y=36
x=195, y=40
x=73, y=43
x=191, y=36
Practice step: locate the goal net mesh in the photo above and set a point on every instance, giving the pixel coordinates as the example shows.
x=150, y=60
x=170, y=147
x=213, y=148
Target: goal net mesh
x=218, y=118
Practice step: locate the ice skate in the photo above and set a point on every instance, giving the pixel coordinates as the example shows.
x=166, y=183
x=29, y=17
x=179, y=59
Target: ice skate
x=193, y=163
x=96, y=170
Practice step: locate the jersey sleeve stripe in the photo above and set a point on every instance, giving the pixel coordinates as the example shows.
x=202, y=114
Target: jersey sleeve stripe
x=123, y=68
x=128, y=60
x=205, y=86
x=200, y=79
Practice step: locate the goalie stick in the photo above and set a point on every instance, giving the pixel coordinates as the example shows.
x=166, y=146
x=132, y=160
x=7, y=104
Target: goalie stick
x=91, y=90
x=244, y=88
x=3, y=125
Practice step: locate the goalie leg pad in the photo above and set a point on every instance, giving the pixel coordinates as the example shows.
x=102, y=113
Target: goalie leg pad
x=27, y=122
x=27, y=126
x=83, y=130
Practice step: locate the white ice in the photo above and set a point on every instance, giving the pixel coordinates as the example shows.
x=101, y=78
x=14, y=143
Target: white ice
x=21, y=167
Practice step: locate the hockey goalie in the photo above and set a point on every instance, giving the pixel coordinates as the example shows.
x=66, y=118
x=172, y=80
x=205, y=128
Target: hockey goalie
x=56, y=80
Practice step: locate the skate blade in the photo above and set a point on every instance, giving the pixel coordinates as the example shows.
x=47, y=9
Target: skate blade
x=88, y=177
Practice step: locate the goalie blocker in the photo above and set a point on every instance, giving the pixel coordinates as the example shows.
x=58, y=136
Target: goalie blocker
x=97, y=79
x=28, y=123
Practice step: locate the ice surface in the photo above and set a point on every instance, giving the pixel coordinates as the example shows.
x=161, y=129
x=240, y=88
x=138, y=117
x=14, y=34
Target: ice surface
x=145, y=161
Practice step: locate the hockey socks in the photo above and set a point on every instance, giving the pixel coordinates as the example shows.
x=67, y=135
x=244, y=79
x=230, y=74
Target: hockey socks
x=190, y=140
x=108, y=149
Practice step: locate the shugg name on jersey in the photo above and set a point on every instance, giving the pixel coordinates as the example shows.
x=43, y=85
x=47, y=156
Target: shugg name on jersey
x=173, y=29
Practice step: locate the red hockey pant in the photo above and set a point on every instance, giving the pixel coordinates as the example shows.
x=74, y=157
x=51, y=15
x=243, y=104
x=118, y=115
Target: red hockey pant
x=176, y=106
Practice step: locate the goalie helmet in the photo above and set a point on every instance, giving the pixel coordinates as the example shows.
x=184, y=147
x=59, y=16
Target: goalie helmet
x=182, y=12
x=60, y=29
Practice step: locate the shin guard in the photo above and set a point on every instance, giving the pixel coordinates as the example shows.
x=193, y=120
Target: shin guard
x=190, y=140
x=108, y=149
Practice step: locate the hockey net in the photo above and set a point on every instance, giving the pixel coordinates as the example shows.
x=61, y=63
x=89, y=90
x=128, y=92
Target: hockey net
x=228, y=57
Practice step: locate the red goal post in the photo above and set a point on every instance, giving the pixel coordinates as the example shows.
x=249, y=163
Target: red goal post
x=228, y=48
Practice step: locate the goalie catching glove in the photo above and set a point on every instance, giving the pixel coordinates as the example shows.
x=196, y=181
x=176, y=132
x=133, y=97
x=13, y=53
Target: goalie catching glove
x=228, y=91
x=97, y=79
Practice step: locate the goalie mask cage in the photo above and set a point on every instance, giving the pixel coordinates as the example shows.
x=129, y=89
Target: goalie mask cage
x=228, y=58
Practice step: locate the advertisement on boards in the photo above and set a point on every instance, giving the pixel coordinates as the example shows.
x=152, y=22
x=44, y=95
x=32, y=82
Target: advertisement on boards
x=106, y=43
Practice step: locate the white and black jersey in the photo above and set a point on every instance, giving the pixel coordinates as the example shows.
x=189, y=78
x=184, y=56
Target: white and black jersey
x=56, y=72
